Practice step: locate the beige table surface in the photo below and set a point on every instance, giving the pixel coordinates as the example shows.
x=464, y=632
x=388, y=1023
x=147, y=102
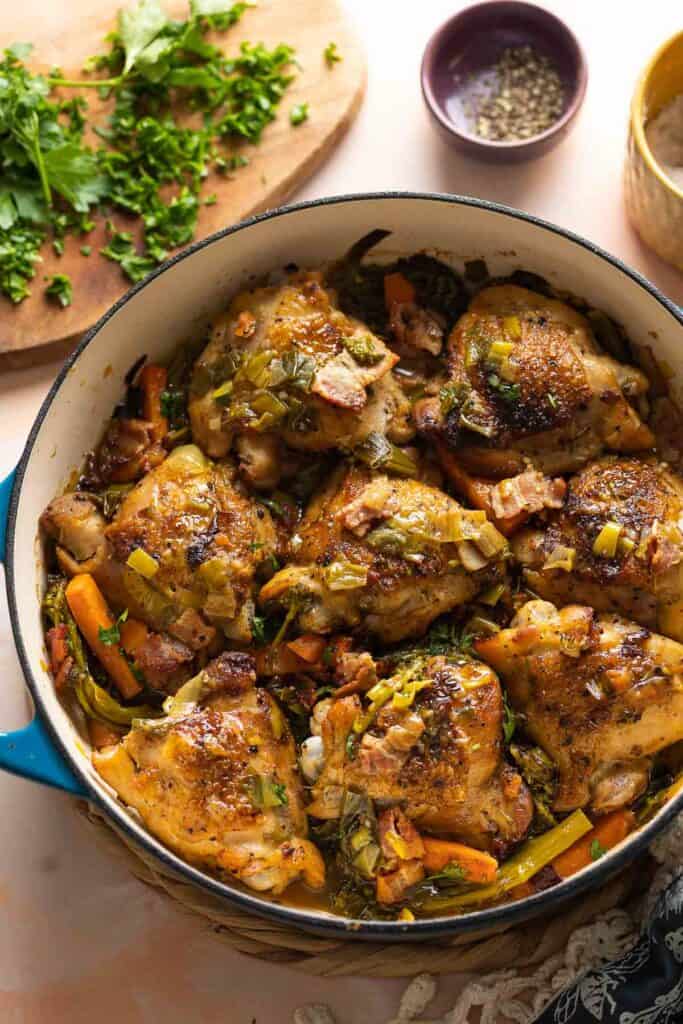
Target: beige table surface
x=82, y=942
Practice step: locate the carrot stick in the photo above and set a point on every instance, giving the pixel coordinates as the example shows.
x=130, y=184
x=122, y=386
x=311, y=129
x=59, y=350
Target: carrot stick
x=153, y=382
x=308, y=647
x=101, y=735
x=91, y=613
x=133, y=635
x=397, y=288
x=477, y=866
x=608, y=832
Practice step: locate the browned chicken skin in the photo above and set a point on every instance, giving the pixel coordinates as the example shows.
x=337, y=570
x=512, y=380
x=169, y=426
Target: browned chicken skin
x=644, y=578
x=206, y=537
x=599, y=694
x=217, y=780
x=544, y=393
x=293, y=363
x=394, y=535
x=441, y=758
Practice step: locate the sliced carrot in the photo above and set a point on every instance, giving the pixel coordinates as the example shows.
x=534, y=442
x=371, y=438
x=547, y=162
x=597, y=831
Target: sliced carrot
x=608, y=832
x=133, y=635
x=308, y=647
x=397, y=288
x=153, y=381
x=476, y=490
x=101, y=735
x=476, y=865
x=91, y=613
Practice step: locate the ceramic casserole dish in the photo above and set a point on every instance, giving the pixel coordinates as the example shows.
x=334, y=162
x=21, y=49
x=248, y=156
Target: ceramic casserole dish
x=171, y=305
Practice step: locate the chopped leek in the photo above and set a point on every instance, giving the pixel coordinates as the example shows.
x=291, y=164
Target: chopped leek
x=605, y=544
x=406, y=695
x=512, y=327
x=625, y=545
x=142, y=563
x=499, y=352
x=380, y=693
x=360, y=838
x=99, y=704
x=214, y=573
x=378, y=453
x=255, y=369
x=187, y=458
x=343, y=575
x=223, y=392
x=492, y=596
x=367, y=860
x=489, y=541
x=560, y=557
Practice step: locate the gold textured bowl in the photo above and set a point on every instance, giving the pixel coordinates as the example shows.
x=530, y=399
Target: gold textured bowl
x=653, y=203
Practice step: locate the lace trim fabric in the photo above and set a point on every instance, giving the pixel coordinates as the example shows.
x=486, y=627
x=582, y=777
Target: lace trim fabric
x=588, y=980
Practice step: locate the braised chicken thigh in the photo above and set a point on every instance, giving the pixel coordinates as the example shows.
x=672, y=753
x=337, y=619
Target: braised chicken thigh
x=527, y=384
x=285, y=359
x=385, y=555
x=430, y=742
x=601, y=695
x=181, y=551
x=617, y=544
x=216, y=780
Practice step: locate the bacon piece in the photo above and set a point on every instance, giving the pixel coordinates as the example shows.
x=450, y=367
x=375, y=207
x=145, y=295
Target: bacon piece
x=527, y=492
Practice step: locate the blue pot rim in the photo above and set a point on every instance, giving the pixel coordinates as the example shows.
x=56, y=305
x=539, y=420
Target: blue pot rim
x=487, y=920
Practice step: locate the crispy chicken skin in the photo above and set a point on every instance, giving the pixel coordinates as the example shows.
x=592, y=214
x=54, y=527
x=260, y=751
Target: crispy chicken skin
x=601, y=695
x=644, y=579
x=392, y=531
x=548, y=396
x=441, y=759
x=327, y=396
x=205, y=535
x=217, y=781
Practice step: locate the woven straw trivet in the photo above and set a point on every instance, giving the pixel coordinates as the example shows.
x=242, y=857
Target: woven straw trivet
x=525, y=946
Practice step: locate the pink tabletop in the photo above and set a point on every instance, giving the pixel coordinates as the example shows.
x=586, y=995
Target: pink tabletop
x=80, y=940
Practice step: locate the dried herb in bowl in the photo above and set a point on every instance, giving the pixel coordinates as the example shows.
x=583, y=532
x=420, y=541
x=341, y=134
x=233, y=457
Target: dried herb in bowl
x=522, y=97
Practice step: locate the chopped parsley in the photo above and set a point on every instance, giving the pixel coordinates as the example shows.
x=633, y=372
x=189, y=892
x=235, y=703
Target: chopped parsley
x=112, y=635
x=597, y=850
x=298, y=114
x=60, y=290
x=552, y=400
x=86, y=250
x=148, y=164
x=331, y=55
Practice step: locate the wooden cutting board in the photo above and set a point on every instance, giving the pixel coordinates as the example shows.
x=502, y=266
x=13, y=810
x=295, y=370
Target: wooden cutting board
x=65, y=32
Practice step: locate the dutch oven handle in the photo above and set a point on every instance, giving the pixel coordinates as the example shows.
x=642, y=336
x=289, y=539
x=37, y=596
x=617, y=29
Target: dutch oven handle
x=30, y=752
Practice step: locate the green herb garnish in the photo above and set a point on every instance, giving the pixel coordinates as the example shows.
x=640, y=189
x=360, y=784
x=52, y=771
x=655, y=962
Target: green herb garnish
x=298, y=114
x=597, y=850
x=60, y=289
x=112, y=635
x=331, y=55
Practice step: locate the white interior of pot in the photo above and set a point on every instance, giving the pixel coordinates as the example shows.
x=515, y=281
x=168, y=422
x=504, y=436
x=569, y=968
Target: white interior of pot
x=172, y=308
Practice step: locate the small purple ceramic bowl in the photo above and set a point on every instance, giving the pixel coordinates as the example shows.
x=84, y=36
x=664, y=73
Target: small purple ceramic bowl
x=468, y=45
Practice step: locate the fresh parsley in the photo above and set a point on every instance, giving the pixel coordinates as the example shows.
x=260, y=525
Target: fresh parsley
x=597, y=850
x=331, y=55
x=60, y=290
x=149, y=164
x=112, y=635
x=298, y=114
